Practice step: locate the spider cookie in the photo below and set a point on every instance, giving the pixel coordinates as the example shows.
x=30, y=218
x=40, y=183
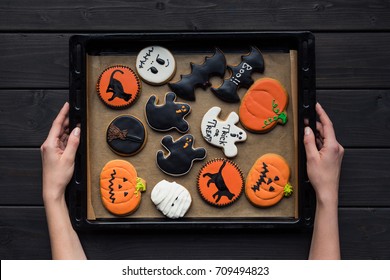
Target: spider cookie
x=171, y=198
x=220, y=182
x=200, y=75
x=222, y=133
x=264, y=106
x=155, y=65
x=240, y=76
x=167, y=116
x=118, y=87
x=120, y=188
x=181, y=155
x=268, y=181
x=126, y=135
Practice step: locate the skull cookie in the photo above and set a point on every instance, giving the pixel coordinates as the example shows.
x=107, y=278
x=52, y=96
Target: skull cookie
x=222, y=133
x=120, y=188
x=155, y=65
x=181, y=155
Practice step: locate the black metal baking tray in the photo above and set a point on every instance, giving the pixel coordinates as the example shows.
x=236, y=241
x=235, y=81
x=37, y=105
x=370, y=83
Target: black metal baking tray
x=110, y=44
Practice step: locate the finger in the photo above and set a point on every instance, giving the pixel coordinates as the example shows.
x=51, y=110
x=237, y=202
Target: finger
x=310, y=143
x=58, y=123
x=328, y=131
x=320, y=129
x=72, y=145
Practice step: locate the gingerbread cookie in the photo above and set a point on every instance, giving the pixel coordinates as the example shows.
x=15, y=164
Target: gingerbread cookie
x=126, y=135
x=181, y=155
x=167, y=116
x=268, y=181
x=120, y=188
x=200, y=75
x=264, y=106
x=118, y=87
x=220, y=182
x=155, y=65
x=240, y=76
x=222, y=133
x=172, y=199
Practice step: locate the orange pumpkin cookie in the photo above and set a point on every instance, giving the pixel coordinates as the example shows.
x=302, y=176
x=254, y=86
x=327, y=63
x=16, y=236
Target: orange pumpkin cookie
x=120, y=188
x=220, y=182
x=118, y=87
x=264, y=105
x=267, y=181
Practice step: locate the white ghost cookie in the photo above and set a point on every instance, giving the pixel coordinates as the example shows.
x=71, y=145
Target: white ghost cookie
x=172, y=199
x=155, y=65
x=222, y=133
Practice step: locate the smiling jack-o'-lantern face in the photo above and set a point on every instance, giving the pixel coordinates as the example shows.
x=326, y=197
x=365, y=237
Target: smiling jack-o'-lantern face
x=120, y=187
x=267, y=181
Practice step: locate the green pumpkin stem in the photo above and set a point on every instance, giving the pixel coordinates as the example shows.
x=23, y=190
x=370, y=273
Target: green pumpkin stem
x=141, y=186
x=288, y=190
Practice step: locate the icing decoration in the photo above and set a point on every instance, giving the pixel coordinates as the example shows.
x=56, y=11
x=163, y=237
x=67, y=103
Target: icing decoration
x=222, y=133
x=120, y=188
x=267, y=181
x=118, y=87
x=264, y=105
x=240, y=76
x=181, y=155
x=171, y=198
x=167, y=116
x=220, y=182
x=155, y=65
x=200, y=75
x=126, y=135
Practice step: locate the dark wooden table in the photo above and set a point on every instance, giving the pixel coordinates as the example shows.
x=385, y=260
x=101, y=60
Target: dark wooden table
x=353, y=84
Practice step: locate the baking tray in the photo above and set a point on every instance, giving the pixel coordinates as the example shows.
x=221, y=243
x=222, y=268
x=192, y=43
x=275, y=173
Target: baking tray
x=90, y=54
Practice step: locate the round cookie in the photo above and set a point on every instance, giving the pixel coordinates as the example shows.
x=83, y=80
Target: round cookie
x=220, y=182
x=263, y=106
x=126, y=135
x=167, y=116
x=118, y=87
x=222, y=133
x=268, y=181
x=155, y=65
x=171, y=198
x=120, y=188
x=181, y=155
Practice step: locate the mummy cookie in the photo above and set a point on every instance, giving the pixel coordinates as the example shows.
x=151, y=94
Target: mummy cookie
x=167, y=116
x=118, y=87
x=120, y=188
x=181, y=155
x=126, y=135
x=240, y=76
x=264, y=106
x=172, y=199
x=155, y=65
x=200, y=75
x=222, y=133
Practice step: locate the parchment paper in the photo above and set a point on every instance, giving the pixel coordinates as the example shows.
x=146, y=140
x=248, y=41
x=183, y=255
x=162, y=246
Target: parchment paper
x=282, y=139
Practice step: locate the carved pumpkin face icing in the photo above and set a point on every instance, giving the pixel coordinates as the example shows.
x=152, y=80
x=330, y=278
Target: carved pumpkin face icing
x=120, y=188
x=267, y=181
x=263, y=106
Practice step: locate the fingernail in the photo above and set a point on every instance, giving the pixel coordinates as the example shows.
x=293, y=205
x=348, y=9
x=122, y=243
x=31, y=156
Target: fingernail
x=76, y=131
x=307, y=130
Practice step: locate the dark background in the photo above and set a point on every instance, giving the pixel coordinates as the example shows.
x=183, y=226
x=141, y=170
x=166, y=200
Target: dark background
x=353, y=82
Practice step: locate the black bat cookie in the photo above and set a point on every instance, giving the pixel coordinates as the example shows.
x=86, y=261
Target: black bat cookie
x=240, y=76
x=167, y=116
x=181, y=155
x=200, y=75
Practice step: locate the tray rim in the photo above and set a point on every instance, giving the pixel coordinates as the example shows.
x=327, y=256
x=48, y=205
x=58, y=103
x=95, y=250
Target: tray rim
x=302, y=41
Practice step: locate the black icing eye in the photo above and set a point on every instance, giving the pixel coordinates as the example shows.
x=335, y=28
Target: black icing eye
x=276, y=178
x=153, y=70
x=160, y=60
x=119, y=186
x=124, y=180
x=271, y=189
